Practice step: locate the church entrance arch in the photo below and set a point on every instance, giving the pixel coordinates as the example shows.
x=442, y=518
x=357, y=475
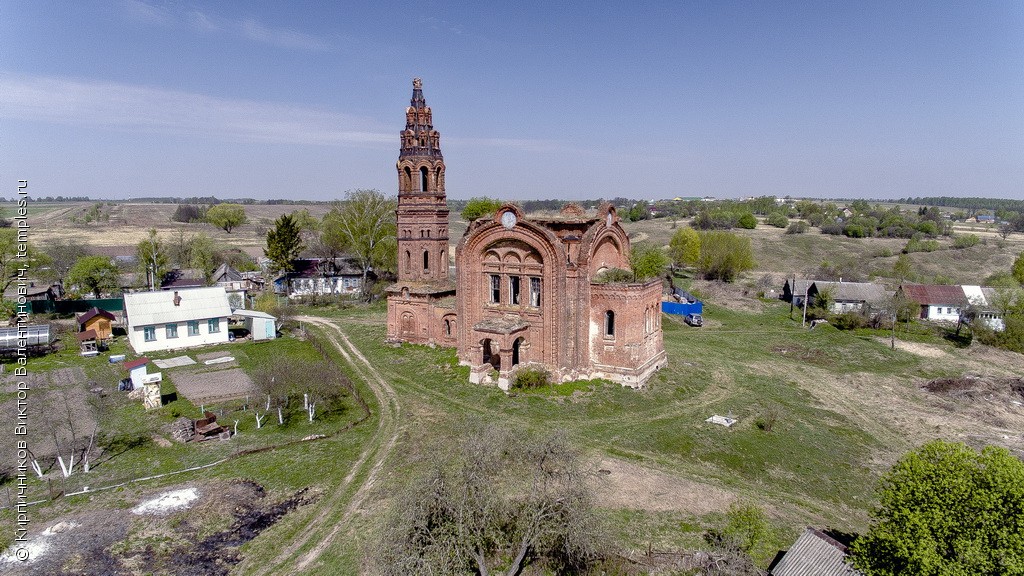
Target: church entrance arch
x=516, y=351
x=490, y=353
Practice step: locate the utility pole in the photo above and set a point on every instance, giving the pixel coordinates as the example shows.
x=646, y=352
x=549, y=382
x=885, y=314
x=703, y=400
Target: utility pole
x=803, y=324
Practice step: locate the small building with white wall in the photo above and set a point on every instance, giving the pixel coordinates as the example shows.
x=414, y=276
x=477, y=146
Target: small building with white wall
x=261, y=326
x=165, y=320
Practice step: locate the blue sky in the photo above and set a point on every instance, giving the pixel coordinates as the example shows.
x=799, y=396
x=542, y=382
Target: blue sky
x=132, y=98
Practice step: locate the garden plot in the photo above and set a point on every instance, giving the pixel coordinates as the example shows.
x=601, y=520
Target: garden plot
x=58, y=408
x=208, y=386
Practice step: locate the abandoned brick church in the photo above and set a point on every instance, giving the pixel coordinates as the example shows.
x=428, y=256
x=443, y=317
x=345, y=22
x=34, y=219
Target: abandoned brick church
x=524, y=290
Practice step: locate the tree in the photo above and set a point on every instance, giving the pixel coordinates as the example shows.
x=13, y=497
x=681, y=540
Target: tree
x=202, y=254
x=497, y=499
x=684, y=247
x=95, y=274
x=226, y=216
x=1005, y=229
x=364, y=226
x=479, y=207
x=947, y=509
x=647, y=261
x=284, y=243
x=152, y=257
x=724, y=255
x=777, y=219
x=63, y=254
x=903, y=269
x=1017, y=270
x=10, y=262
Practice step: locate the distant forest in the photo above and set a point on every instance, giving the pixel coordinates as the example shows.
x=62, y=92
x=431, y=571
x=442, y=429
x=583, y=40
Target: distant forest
x=973, y=203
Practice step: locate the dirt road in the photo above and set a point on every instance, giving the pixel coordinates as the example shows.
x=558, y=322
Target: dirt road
x=336, y=510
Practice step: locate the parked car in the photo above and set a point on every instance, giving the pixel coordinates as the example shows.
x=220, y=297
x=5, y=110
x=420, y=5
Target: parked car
x=693, y=319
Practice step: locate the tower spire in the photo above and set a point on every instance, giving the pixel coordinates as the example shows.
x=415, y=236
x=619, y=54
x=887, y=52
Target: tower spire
x=422, y=208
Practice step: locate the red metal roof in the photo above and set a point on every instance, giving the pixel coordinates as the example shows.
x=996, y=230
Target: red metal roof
x=934, y=294
x=136, y=363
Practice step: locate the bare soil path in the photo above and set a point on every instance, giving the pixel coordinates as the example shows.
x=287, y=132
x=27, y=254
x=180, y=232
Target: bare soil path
x=337, y=509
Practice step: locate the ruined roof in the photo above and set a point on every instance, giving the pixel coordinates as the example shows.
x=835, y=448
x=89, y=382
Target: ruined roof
x=814, y=554
x=422, y=287
x=445, y=302
x=852, y=291
x=92, y=313
x=504, y=325
x=934, y=294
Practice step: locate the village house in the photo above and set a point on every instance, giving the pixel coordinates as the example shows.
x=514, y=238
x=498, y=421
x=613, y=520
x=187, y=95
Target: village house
x=939, y=303
x=529, y=290
x=321, y=277
x=860, y=297
x=166, y=320
x=234, y=283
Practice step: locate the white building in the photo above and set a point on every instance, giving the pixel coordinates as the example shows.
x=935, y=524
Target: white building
x=165, y=320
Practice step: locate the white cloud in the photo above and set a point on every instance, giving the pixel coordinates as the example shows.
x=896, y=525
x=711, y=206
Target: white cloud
x=148, y=13
x=283, y=37
x=249, y=28
x=132, y=108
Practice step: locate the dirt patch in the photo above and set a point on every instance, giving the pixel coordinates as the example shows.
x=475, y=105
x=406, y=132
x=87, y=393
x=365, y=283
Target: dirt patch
x=206, y=386
x=202, y=540
x=622, y=484
x=971, y=387
x=917, y=348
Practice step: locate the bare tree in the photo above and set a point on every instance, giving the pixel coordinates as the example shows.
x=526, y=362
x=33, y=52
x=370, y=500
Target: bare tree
x=506, y=499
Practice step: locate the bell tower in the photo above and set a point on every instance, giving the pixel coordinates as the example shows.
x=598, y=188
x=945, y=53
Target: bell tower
x=422, y=207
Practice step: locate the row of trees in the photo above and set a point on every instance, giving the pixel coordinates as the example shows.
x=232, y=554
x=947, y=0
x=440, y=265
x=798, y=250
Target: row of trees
x=227, y=216
x=362, y=227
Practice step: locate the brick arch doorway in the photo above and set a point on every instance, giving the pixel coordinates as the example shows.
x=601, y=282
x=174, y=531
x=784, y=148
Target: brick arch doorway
x=517, y=352
x=490, y=353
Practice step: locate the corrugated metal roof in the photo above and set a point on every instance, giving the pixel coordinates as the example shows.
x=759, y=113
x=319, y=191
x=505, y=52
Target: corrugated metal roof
x=814, y=554
x=252, y=314
x=146, y=308
x=934, y=294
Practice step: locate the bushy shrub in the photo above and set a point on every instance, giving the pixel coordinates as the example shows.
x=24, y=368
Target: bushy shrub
x=854, y=231
x=189, y=213
x=816, y=219
x=798, y=227
x=928, y=227
x=748, y=221
x=849, y=321
x=918, y=245
x=614, y=275
x=966, y=241
x=832, y=228
x=777, y=219
x=528, y=378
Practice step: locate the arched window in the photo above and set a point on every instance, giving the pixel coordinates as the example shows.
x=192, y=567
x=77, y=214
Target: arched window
x=408, y=260
x=609, y=324
x=447, y=327
x=437, y=177
x=423, y=178
x=516, y=351
x=408, y=178
x=426, y=260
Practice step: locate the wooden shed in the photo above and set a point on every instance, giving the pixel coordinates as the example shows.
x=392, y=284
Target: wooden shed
x=99, y=320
